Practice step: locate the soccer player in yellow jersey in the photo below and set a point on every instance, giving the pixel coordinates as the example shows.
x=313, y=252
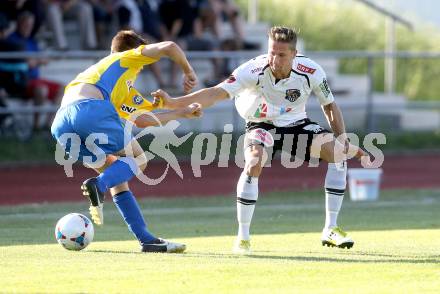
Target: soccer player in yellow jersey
x=88, y=124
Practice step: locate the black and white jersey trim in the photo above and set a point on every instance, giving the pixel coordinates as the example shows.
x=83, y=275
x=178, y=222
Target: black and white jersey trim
x=302, y=56
x=304, y=75
x=262, y=73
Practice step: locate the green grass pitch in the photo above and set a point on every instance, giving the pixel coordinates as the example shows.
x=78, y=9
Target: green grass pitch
x=397, y=248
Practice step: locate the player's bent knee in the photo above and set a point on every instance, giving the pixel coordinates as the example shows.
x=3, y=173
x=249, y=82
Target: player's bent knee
x=322, y=146
x=327, y=152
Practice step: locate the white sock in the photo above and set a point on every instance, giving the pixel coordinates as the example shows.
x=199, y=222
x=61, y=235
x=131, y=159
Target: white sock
x=335, y=182
x=247, y=195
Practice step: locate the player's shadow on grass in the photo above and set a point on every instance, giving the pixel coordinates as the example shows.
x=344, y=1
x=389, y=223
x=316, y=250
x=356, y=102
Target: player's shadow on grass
x=433, y=259
x=131, y=252
x=115, y=251
x=430, y=260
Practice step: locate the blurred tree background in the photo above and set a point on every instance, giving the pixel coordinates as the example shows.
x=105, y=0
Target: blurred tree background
x=349, y=25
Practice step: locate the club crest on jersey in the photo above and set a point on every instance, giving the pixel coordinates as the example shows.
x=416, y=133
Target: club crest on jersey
x=137, y=99
x=305, y=69
x=292, y=94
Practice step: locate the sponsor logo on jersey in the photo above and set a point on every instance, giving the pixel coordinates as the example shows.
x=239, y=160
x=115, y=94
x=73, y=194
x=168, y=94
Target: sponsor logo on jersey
x=292, y=94
x=305, y=69
x=128, y=109
x=325, y=88
x=137, y=99
x=231, y=79
x=258, y=69
x=261, y=111
x=284, y=110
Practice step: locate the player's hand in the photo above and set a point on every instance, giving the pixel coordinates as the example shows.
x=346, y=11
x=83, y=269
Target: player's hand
x=189, y=81
x=360, y=155
x=352, y=151
x=193, y=110
x=162, y=99
x=364, y=158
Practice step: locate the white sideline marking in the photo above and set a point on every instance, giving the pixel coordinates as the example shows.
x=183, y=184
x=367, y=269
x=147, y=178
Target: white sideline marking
x=216, y=209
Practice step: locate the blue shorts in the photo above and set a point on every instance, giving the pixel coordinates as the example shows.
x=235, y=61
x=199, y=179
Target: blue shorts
x=86, y=117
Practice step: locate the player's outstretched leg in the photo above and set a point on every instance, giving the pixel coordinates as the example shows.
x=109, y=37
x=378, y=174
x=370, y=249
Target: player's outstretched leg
x=120, y=171
x=247, y=195
x=335, y=182
x=132, y=214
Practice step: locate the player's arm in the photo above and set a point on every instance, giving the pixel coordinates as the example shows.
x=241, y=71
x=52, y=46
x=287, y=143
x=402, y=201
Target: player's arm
x=333, y=114
x=206, y=97
x=335, y=120
x=144, y=120
x=241, y=78
x=325, y=97
x=172, y=50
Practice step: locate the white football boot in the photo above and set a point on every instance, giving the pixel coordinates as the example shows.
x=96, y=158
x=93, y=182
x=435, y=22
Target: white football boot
x=242, y=247
x=336, y=237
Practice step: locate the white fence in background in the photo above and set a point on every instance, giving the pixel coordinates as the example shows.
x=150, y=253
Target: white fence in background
x=362, y=108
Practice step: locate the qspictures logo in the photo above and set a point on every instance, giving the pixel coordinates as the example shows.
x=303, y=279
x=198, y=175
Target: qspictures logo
x=206, y=149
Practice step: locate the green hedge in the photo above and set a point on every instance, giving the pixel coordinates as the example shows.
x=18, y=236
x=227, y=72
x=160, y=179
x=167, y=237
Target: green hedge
x=348, y=25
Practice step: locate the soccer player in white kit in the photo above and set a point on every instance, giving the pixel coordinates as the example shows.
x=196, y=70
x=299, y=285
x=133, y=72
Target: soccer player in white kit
x=271, y=92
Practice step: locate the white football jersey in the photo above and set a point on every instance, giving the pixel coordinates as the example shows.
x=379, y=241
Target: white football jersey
x=280, y=102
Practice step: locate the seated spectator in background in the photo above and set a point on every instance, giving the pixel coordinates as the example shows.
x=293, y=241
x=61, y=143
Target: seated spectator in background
x=102, y=15
x=56, y=9
x=151, y=21
x=13, y=71
x=183, y=25
x=214, y=12
x=129, y=17
x=12, y=8
x=37, y=89
x=7, y=75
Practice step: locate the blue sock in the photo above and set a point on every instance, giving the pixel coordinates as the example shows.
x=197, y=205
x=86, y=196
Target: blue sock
x=130, y=211
x=118, y=172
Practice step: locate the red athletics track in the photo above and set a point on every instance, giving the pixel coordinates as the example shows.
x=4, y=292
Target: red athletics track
x=49, y=183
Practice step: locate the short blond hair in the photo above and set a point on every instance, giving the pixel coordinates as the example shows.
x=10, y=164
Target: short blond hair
x=283, y=34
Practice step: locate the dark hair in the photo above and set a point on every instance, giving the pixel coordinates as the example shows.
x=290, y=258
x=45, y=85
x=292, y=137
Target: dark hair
x=24, y=15
x=283, y=34
x=126, y=40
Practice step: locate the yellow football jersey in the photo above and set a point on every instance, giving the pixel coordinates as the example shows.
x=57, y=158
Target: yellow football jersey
x=134, y=103
x=115, y=75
